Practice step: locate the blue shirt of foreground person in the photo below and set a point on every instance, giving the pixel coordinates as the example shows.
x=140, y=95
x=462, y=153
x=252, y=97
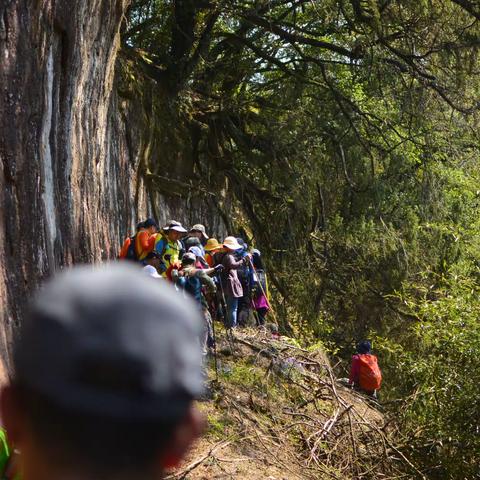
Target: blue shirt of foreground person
x=106, y=367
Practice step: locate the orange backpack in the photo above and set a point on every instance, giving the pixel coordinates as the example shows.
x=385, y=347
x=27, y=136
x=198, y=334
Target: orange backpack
x=370, y=377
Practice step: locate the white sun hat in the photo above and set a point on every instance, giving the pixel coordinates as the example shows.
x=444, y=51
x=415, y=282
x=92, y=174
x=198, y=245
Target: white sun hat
x=151, y=271
x=231, y=243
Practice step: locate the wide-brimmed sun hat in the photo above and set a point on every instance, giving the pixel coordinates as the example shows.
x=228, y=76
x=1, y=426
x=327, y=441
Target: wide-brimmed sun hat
x=231, y=243
x=197, y=251
x=177, y=226
x=199, y=228
x=212, y=244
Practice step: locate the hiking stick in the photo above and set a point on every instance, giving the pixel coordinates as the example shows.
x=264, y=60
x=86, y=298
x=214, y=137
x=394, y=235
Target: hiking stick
x=262, y=290
x=255, y=313
x=225, y=312
x=214, y=348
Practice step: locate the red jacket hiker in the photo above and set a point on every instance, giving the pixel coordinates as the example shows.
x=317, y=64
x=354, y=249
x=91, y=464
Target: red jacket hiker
x=365, y=373
x=145, y=239
x=126, y=244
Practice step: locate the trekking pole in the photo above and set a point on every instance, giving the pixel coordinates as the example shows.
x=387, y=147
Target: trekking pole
x=262, y=290
x=255, y=313
x=225, y=315
x=215, y=362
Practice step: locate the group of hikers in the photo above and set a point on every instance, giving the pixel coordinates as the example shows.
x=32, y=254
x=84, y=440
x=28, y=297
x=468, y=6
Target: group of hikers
x=107, y=363
x=226, y=279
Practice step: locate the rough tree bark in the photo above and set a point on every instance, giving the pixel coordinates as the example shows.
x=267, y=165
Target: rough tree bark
x=57, y=62
x=71, y=148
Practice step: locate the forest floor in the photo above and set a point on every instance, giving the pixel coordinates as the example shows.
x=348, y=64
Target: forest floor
x=277, y=412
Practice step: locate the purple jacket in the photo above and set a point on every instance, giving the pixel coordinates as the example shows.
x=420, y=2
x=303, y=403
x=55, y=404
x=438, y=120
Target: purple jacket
x=230, y=280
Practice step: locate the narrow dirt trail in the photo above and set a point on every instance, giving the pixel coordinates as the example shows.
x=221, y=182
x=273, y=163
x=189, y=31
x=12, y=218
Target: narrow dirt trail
x=277, y=412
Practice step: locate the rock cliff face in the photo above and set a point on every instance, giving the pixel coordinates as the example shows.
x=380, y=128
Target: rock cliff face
x=72, y=149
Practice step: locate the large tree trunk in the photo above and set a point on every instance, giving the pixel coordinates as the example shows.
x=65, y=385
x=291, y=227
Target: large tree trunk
x=61, y=192
x=73, y=150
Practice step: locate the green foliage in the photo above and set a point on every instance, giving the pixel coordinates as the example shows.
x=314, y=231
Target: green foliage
x=344, y=136
x=219, y=426
x=251, y=378
x=437, y=370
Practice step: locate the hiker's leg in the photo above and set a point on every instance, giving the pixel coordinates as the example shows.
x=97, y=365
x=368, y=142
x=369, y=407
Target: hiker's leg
x=239, y=311
x=219, y=308
x=261, y=315
x=204, y=335
x=242, y=316
x=232, y=307
x=210, y=341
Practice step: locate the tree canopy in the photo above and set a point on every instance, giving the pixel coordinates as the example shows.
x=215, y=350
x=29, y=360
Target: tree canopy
x=347, y=133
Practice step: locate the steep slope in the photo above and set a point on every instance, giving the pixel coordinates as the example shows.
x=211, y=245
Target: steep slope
x=278, y=412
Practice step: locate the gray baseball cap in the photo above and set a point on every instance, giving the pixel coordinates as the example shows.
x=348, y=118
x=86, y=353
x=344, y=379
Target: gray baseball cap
x=112, y=341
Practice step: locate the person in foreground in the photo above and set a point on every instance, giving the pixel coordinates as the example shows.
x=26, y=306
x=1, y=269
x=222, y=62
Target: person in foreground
x=106, y=367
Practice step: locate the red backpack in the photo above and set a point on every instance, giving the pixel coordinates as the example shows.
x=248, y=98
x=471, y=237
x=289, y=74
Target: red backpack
x=370, y=377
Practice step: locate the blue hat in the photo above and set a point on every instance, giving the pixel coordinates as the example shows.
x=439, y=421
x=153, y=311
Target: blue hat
x=197, y=251
x=150, y=222
x=364, y=347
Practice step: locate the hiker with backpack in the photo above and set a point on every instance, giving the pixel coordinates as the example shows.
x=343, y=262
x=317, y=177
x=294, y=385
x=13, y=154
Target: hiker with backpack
x=168, y=245
x=192, y=280
x=231, y=285
x=245, y=275
x=197, y=237
x=259, y=288
x=211, y=247
x=214, y=301
x=145, y=239
x=365, y=374
x=127, y=251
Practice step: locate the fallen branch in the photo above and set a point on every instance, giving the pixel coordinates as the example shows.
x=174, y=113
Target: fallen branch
x=198, y=462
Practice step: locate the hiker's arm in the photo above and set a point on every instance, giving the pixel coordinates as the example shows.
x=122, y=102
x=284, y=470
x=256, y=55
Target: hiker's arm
x=232, y=264
x=206, y=280
x=124, y=250
x=209, y=271
x=214, y=270
x=151, y=242
x=160, y=246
